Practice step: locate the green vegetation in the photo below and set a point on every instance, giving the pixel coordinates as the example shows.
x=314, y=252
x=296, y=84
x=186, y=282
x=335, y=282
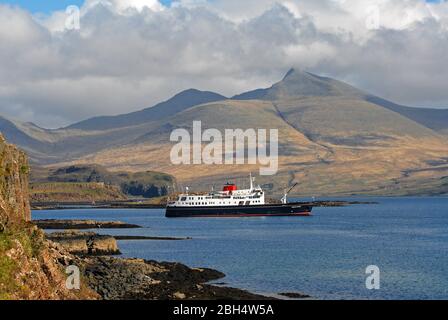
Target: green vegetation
x=8, y=267
x=32, y=241
x=146, y=184
x=24, y=169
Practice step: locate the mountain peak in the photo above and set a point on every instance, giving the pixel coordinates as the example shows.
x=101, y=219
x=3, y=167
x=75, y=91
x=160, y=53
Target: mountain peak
x=293, y=72
x=298, y=83
x=189, y=91
x=178, y=103
x=192, y=97
x=290, y=72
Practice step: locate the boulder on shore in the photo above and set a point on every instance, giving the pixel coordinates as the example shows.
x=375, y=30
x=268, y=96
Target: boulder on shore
x=85, y=243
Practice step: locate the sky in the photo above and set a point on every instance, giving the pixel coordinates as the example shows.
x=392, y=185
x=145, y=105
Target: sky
x=48, y=6
x=125, y=55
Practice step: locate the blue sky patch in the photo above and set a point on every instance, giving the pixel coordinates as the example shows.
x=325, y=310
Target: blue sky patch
x=48, y=6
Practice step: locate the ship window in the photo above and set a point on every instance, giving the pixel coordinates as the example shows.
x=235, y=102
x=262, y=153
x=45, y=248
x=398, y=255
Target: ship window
x=183, y=199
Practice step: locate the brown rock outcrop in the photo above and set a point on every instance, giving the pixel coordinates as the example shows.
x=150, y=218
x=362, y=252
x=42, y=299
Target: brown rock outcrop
x=39, y=272
x=14, y=203
x=85, y=243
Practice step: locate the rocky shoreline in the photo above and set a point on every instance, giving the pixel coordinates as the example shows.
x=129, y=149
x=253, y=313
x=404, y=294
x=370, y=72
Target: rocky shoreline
x=51, y=224
x=294, y=295
x=137, y=279
x=151, y=238
x=93, y=244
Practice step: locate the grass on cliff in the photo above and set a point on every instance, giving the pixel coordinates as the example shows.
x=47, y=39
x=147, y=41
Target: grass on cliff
x=8, y=268
x=31, y=240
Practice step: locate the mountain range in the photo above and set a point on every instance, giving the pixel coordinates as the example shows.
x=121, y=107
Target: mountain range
x=334, y=139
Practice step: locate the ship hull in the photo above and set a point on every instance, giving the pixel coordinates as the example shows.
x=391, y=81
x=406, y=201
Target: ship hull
x=270, y=210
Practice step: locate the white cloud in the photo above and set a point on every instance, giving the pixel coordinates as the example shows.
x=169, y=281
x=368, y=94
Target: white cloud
x=123, y=5
x=131, y=54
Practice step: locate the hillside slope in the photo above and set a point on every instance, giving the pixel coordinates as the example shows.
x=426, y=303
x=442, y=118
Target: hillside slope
x=74, y=192
x=329, y=146
x=435, y=119
x=99, y=184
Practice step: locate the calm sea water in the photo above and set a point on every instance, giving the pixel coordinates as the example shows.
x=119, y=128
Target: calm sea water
x=324, y=255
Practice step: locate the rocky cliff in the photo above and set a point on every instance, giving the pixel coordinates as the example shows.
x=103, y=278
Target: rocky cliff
x=14, y=205
x=30, y=266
